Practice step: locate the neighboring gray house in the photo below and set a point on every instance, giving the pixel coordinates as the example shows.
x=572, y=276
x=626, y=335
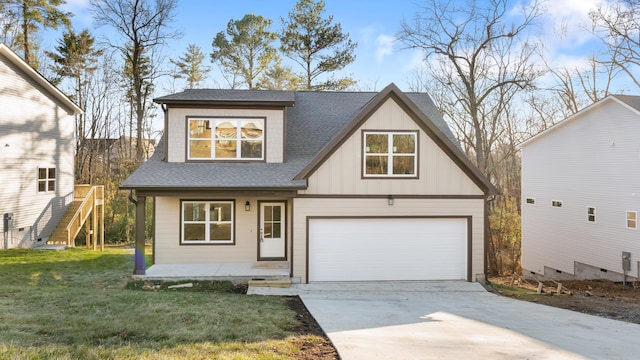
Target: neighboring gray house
x=36, y=153
x=334, y=186
x=581, y=194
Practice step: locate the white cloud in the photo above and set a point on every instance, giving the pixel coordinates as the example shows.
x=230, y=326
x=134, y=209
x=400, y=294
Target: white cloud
x=384, y=47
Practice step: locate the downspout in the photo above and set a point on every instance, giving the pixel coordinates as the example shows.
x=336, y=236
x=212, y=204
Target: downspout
x=165, y=135
x=131, y=198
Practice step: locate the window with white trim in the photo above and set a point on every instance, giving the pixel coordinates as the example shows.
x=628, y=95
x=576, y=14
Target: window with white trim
x=390, y=154
x=530, y=201
x=556, y=203
x=591, y=214
x=225, y=139
x=46, y=180
x=632, y=220
x=207, y=222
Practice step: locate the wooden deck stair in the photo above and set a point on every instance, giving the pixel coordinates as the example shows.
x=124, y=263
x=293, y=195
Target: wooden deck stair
x=87, y=209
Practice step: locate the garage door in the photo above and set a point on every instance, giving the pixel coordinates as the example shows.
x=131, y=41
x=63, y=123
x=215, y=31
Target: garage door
x=348, y=249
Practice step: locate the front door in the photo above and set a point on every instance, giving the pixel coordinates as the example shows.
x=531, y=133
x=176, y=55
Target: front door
x=272, y=231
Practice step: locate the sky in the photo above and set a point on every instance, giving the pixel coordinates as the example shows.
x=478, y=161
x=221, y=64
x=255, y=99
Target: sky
x=373, y=24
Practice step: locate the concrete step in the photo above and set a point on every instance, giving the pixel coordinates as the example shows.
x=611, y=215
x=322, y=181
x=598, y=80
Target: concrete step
x=275, y=283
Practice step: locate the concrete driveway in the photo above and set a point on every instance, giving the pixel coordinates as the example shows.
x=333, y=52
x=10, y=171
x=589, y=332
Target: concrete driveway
x=458, y=320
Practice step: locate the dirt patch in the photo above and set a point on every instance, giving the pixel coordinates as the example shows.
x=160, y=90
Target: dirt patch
x=595, y=297
x=310, y=349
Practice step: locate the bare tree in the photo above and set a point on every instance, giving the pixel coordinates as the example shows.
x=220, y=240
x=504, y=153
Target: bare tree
x=619, y=24
x=481, y=59
x=143, y=25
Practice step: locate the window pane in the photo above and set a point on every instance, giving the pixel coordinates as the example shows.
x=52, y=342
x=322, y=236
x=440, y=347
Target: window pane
x=194, y=232
x=268, y=213
x=52, y=173
x=276, y=230
x=200, y=149
x=377, y=143
x=220, y=232
x=220, y=212
x=631, y=224
x=377, y=165
x=251, y=149
x=251, y=129
x=199, y=129
x=403, y=165
x=42, y=186
x=42, y=173
x=276, y=213
x=51, y=185
x=194, y=212
x=268, y=233
x=226, y=130
x=404, y=144
x=631, y=215
x=226, y=149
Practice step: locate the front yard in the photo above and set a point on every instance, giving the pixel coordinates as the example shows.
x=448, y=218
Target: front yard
x=76, y=304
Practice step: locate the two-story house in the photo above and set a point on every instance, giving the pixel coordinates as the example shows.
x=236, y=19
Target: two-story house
x=37, y=128
x=331, y=186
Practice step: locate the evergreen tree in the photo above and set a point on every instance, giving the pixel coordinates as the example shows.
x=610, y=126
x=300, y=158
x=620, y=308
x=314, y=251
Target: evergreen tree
x=190, y=66
x=316, y=44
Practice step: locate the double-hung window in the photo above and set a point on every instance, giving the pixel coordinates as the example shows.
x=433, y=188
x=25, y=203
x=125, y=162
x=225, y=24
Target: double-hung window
x=390, y=154
x=207, y=222
x=225, y=139
x=46, y=180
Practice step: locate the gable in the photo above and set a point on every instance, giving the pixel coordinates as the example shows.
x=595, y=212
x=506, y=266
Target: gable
x=438, y=174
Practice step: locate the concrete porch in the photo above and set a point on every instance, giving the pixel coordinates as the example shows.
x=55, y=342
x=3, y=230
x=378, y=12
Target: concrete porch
x=237, y=272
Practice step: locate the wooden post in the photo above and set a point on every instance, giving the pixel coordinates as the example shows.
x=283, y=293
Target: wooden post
x=94, y=221
x=87, y=233
x=102, y=227
x=139, y=252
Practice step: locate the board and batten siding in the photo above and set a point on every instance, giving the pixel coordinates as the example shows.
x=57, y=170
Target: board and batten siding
x=591, y=161
x=35, y=131
x=177, y=130
x=168, y=249
x=360, y=207
x=341, y=173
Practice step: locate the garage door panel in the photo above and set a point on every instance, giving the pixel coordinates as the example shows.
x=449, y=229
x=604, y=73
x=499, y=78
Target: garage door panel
x=350, y=249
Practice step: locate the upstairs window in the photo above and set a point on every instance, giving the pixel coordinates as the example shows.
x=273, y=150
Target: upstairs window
x=556, y=203
x=390, y=154
x=591, y=214
x=46, y=180
x=632, y=220
x=225, y=139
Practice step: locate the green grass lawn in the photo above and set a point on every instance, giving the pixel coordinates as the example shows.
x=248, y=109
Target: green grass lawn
x=76, y=304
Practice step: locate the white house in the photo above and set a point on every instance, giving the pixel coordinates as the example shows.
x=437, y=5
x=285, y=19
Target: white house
x=581, y=194
x=36, y=153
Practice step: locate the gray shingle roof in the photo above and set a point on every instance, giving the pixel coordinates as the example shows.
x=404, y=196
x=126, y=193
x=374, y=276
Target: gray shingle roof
x=312, y=122
x=631, y=100
x=229, y=96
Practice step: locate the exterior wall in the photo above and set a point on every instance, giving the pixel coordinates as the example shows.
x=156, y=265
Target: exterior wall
x=305, y=207
x=177, y=131
x=35, y=131
x=438, y=174
x=590, y=161
x=168, y=249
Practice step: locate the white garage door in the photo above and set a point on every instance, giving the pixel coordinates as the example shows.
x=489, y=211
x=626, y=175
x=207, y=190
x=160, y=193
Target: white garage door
x=387, y=249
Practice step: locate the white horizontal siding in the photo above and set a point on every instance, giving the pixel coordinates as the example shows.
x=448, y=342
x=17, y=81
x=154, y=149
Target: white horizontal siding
x=594, y=161
x=438, y=174
x=35, y=131
x=340, y=207
x=177, y=130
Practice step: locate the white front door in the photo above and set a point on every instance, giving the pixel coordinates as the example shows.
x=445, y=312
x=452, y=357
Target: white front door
x=272, y=231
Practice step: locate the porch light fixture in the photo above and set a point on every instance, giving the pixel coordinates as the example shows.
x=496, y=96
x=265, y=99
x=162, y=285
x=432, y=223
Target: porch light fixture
x=390, y=200
x=247, y=206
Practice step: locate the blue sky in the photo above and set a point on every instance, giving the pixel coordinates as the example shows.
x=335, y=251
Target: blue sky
x=370, y=23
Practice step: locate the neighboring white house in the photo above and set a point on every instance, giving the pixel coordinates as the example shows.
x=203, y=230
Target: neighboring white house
x=581, y=194
x=36, y=153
